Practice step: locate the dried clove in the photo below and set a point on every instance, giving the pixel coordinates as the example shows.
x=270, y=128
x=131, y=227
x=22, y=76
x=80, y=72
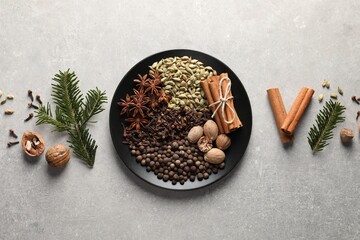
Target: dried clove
x=9, y=144
x=31, y=105
x=31, y=115
x=38, y=99
x=355, y=100
x=30, y=94
x=12, y=133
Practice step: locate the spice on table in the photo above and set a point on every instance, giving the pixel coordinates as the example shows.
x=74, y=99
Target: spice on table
x=195, y=134
x=30, y=94
x=31, y=105
x=357, y=115
x=214, y=156
x=12, y=133
x=211, y=130
x=38, y=99
x=279, y=113
x=210, y=99
x=326, y=84
x=221, y=97
x=333, y=95
x=9, y=112
x=340, y=91
x=321, y=97
x=1, y=93
x=223, y=142
x=10, y=144
x=31, y=115
x=10, y=97
x=181, y=77
x=297, y=110
x=355, y=99
x=204, y=144
x=346, y=135
x=3, y=102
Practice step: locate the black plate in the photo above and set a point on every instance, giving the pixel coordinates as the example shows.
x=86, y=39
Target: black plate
x=240, y=138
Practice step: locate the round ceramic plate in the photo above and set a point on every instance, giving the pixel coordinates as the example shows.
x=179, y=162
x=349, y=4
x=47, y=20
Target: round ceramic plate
x=240, y=138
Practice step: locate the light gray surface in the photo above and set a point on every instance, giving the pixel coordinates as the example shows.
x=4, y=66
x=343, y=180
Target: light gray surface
x=274, y=193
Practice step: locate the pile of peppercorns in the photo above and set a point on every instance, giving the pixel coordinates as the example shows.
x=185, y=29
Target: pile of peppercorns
x=162, y=147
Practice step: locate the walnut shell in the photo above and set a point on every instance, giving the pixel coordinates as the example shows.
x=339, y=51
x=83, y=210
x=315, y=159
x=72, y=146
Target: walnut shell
x=214, y=156
x=211, y=130
x=195, y=134
x=223, y=142
x=57, y=156
x=32, y=144
x=204, y=144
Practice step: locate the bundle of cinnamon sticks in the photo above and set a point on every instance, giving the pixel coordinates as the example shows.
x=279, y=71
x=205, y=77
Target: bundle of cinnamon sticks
x=228, y=119
x=287, y=122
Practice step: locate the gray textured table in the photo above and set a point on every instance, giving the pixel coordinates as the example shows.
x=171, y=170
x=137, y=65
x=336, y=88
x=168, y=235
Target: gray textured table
x=274, y=193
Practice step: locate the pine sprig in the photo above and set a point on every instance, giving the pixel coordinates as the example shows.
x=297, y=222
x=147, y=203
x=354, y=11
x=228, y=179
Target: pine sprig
x=326, y=121
x=72, y=113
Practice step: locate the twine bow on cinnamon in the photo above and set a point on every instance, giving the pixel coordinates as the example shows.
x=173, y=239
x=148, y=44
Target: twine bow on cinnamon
x=223, y=101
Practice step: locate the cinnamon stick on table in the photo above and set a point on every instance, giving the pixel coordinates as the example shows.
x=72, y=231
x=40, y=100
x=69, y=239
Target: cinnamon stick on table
x=297, y=110
x=205, y=86
x=279, y=112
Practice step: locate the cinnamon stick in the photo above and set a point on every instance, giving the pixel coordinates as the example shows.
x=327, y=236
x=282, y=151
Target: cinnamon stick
x=229, y=114
x=297, y=110
x=214, y=90
x=205, y=86
x=279, y=112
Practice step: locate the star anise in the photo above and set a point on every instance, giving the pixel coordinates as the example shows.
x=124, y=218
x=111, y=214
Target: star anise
x=153, y=86
x=139, y=106
x=126, y=104
x=163, y=97
x=154, y=102
x=136, y=122
x=141, y=95
x=141, y=81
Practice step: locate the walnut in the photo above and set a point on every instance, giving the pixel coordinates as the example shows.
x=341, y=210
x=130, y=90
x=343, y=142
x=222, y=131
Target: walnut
x=32, y=144
x=204, y=144
x=223, y=142
x=214, y=156
x=211, y=130
x=57, y=156
x=195, y=134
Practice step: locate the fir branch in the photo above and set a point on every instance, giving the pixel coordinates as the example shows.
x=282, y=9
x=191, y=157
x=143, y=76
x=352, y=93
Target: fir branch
x=93, y=104
x=72, y=113
x=326, y=121
x=44, y=116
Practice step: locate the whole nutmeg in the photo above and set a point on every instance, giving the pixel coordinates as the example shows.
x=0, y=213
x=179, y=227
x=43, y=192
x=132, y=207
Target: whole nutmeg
x=211, y=130
x=223, y=142
x=58, y=155
x=32, y=144
x=346, y=135
x=195, y=134
x=214, y=156
x=204, y=144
